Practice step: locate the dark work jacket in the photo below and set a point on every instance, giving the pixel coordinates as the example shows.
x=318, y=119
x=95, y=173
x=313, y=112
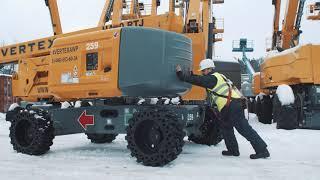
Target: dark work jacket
x=205, y=81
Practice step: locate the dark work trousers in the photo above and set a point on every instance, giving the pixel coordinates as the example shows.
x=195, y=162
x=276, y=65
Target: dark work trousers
x=233, y=116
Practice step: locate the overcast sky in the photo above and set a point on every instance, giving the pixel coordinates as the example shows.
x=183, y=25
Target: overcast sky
x=24, y=20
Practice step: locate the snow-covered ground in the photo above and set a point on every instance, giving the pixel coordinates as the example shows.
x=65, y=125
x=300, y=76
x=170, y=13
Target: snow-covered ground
x=294, y=155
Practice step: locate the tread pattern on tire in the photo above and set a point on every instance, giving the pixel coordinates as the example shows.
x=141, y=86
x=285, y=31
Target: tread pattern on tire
x=173, y=134
x=251, y=105
x=41, y=132
x=12, y=114
x=211, y=133
x=276, y=108
x=101, y=138
x=258, y=107
x=285, y=116
x=266, y=110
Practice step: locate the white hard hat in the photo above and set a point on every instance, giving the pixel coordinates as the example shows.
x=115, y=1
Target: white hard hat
x=206, y=63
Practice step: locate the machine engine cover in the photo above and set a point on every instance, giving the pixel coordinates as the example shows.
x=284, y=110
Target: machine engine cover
x=148, y=58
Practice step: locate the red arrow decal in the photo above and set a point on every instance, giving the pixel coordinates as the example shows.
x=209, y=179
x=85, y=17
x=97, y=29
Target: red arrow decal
x=86, y=120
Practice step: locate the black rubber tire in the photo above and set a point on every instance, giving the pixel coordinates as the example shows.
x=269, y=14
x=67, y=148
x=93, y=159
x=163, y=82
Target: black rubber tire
x=266, y=110
x=276, y=108
x=13, y=113
x=299, y=103
x=101, y=138
x=285, y=116
x=32, y=133
x=251, y=105
x=211, y=133
x=288, y=118
x=258, y=107
x=155, y=136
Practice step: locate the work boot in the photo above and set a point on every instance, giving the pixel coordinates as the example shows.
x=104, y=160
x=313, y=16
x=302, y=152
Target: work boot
x=230, y=153
x=259, y=155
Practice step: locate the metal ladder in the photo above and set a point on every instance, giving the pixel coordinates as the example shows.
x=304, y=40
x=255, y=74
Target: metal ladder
x=298, y=22
x=109, y=10
x=299, y=14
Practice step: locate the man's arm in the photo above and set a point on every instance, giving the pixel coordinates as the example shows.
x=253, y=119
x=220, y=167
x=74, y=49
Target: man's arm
x=207, y=81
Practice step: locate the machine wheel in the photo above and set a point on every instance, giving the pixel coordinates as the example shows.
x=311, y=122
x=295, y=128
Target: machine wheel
x=32, y=133
x=288, y=118
x=266, y=110
x=12, y=114
x=101, y=138
x=285, y=116
x=210, y=130
x=251, y=105
x=155, y=136
x=276, y=108
x=299, y=100
x=258, y=107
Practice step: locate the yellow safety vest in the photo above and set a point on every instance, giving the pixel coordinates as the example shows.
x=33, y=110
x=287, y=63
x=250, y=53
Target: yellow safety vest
x=221, y=88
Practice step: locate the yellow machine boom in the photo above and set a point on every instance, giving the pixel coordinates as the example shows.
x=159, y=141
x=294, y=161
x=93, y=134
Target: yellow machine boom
x=117, y=78
x=295, y=67
x=40, y=55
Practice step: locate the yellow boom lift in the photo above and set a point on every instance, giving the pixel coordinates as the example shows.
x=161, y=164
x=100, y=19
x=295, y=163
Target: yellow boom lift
x=293, y=65
x=123, y=72
x=314, y=11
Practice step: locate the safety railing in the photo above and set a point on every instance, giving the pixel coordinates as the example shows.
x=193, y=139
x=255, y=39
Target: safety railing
x=218, y=37
x=313, y=11
x=145, y=9
x=219, y=25
x=236, y=44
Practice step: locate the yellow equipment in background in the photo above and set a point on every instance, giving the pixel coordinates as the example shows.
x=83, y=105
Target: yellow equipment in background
x=314, y=11
x=191, y=18
x=117, y=78
x=293, y=65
